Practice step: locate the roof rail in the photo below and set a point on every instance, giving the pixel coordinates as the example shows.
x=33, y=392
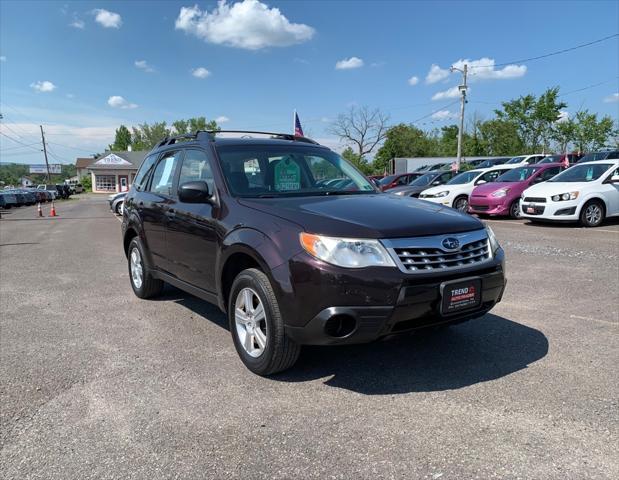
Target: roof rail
x=211, y=136
x=284, y=136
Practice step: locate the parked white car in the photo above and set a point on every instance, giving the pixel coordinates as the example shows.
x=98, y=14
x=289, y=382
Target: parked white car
x=455, y=193
x=587, y=192
x=523, y=160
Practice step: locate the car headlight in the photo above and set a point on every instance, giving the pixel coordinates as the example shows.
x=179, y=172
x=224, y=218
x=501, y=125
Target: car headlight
x=500, y=193
x=400, y=193
x=492, y=241
x=565, y=196
x=346, y=252
x=444, y=193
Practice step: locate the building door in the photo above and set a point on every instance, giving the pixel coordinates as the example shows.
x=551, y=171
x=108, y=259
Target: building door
x=123, y=181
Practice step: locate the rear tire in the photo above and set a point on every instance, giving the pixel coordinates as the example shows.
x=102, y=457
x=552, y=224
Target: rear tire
x=143, y=283
x=592, y=214
x=119, y=208
x=257, y=326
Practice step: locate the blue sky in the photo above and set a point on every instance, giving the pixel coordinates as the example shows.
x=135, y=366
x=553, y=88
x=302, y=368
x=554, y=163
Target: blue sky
x=83, y=68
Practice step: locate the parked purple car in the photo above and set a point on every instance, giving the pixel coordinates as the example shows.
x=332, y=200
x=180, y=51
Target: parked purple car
x=502, y=196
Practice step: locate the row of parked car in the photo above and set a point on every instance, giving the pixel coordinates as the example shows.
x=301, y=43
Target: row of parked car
x=18, y=197
x=565, y=188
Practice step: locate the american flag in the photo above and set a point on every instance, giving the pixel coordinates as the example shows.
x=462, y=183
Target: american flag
x=298, y=131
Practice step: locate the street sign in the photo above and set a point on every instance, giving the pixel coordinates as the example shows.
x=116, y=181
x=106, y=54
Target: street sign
x=54, y=168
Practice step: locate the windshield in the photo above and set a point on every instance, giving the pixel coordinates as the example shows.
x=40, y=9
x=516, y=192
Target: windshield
x=582, y=173
x=551, y=159
x=591, y=157
x=464, y=177
x=515, y=160
x=517, y=175
x=423, y=180
x=277, y=171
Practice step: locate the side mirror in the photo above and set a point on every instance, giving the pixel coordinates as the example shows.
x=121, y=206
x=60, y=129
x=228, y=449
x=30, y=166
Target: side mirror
x=194, y=192
x=480, y=182
x=436, y=182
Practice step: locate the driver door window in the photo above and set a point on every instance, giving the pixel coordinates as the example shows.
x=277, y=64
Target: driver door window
x=490, y=176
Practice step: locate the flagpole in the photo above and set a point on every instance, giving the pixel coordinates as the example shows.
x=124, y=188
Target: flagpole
x=294, y=121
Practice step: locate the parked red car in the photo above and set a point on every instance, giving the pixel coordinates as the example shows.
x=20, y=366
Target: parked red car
x=502, y=196
x=397, y=180
x=560, y=158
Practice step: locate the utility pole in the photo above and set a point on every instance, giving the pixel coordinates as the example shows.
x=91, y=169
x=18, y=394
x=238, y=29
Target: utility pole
x=45, y=153
x=462, y=88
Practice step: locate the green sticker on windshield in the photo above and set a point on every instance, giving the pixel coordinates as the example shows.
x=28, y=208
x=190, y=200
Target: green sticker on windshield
x=287, y=175
x=589, y=176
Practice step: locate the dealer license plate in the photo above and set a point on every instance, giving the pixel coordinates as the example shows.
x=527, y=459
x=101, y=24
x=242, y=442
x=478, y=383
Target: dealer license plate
x=460, y=295
x=530, y=209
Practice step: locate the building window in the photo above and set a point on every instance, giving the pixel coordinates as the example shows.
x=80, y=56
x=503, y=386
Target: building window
x=105, y=183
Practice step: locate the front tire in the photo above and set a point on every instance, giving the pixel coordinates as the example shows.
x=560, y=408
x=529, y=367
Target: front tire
x=143, y=283
x=257, y=326
x=592, y=214
x=119, y=208
x=514, y=209
x=461, y=204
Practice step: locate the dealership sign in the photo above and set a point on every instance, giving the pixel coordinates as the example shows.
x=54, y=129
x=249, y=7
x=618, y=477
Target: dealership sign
x=54, y=168
x=112, y=159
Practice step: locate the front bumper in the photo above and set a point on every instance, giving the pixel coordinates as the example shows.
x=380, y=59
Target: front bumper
x=380, y=304
x=566, y=211
x=486, y=206
x=446, y=201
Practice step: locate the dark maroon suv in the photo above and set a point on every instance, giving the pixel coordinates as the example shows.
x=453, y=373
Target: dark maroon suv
x=298, y=247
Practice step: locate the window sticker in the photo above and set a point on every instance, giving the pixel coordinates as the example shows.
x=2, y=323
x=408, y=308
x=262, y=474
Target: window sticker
x=523, y=174
x=287, y=175
x=167, y=170
x=589, y=174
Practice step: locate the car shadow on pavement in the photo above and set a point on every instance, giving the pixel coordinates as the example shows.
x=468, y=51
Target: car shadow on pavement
x=473, y=352
x=608, y=222
x=210, y=312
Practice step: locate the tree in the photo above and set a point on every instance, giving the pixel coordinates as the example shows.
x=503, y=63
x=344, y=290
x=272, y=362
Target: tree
x=563, y=134
x=122, y=139
x=401, y=141
x=499, y=137
x=362, y=128
x=358, y=161
x=192, y=125
x=590, y=133
x=534, y=118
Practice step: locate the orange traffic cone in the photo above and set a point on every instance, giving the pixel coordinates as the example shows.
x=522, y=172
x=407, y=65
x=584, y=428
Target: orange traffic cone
x=39, y=211
x=52, y=212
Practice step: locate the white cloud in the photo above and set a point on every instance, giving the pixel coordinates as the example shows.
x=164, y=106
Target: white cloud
x=413, y=81
x=143, y=65
x=107, y=19
x=249, y=24
x=564, y=116
x=77, y=23
x=436, y=74
x=484, y=69
x=452, y=92
x=222, y=119
x=2, y=58
x=200, y=72
x=443, y=115
x=43, y=86
x=116, y=101
x=325, y=120
x=612, y=98
x=70, y=95
x=348, y=63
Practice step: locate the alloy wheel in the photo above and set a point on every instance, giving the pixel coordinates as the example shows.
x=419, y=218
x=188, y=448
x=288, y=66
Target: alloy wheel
x=462, y=205
x=593, y=214
x=137, y=270
x=250, y=320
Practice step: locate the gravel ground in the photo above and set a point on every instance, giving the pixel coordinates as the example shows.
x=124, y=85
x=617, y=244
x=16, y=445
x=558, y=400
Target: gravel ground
x=95, y=383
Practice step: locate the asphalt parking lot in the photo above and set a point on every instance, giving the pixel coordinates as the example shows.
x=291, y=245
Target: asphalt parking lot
x=96, y=383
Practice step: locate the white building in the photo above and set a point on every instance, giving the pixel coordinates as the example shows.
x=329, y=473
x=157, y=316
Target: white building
x=114, y=171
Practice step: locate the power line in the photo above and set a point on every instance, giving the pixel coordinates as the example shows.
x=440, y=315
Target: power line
x=19, y=141
x=558, y=52
x=70, y=147
x=435, y=111
x=18, y=147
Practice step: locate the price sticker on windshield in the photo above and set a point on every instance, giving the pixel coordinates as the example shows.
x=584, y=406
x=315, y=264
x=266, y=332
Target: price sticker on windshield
x=287, y=176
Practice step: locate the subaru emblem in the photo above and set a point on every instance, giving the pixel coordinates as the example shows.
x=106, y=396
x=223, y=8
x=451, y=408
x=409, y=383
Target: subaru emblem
x=451, y=243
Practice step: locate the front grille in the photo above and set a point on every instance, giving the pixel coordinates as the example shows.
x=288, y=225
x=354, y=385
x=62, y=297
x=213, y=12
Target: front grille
x=535, y=199
x=416, y=259
x=481, y=208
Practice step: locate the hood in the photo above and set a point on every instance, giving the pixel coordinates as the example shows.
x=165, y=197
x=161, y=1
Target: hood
x=547, y=189
x=366, y=215
x=488, y=188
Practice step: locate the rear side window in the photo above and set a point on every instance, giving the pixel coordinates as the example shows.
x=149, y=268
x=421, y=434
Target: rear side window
x=163, y=176
x=139, y=182
x=549, y=173
x=196, y=167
